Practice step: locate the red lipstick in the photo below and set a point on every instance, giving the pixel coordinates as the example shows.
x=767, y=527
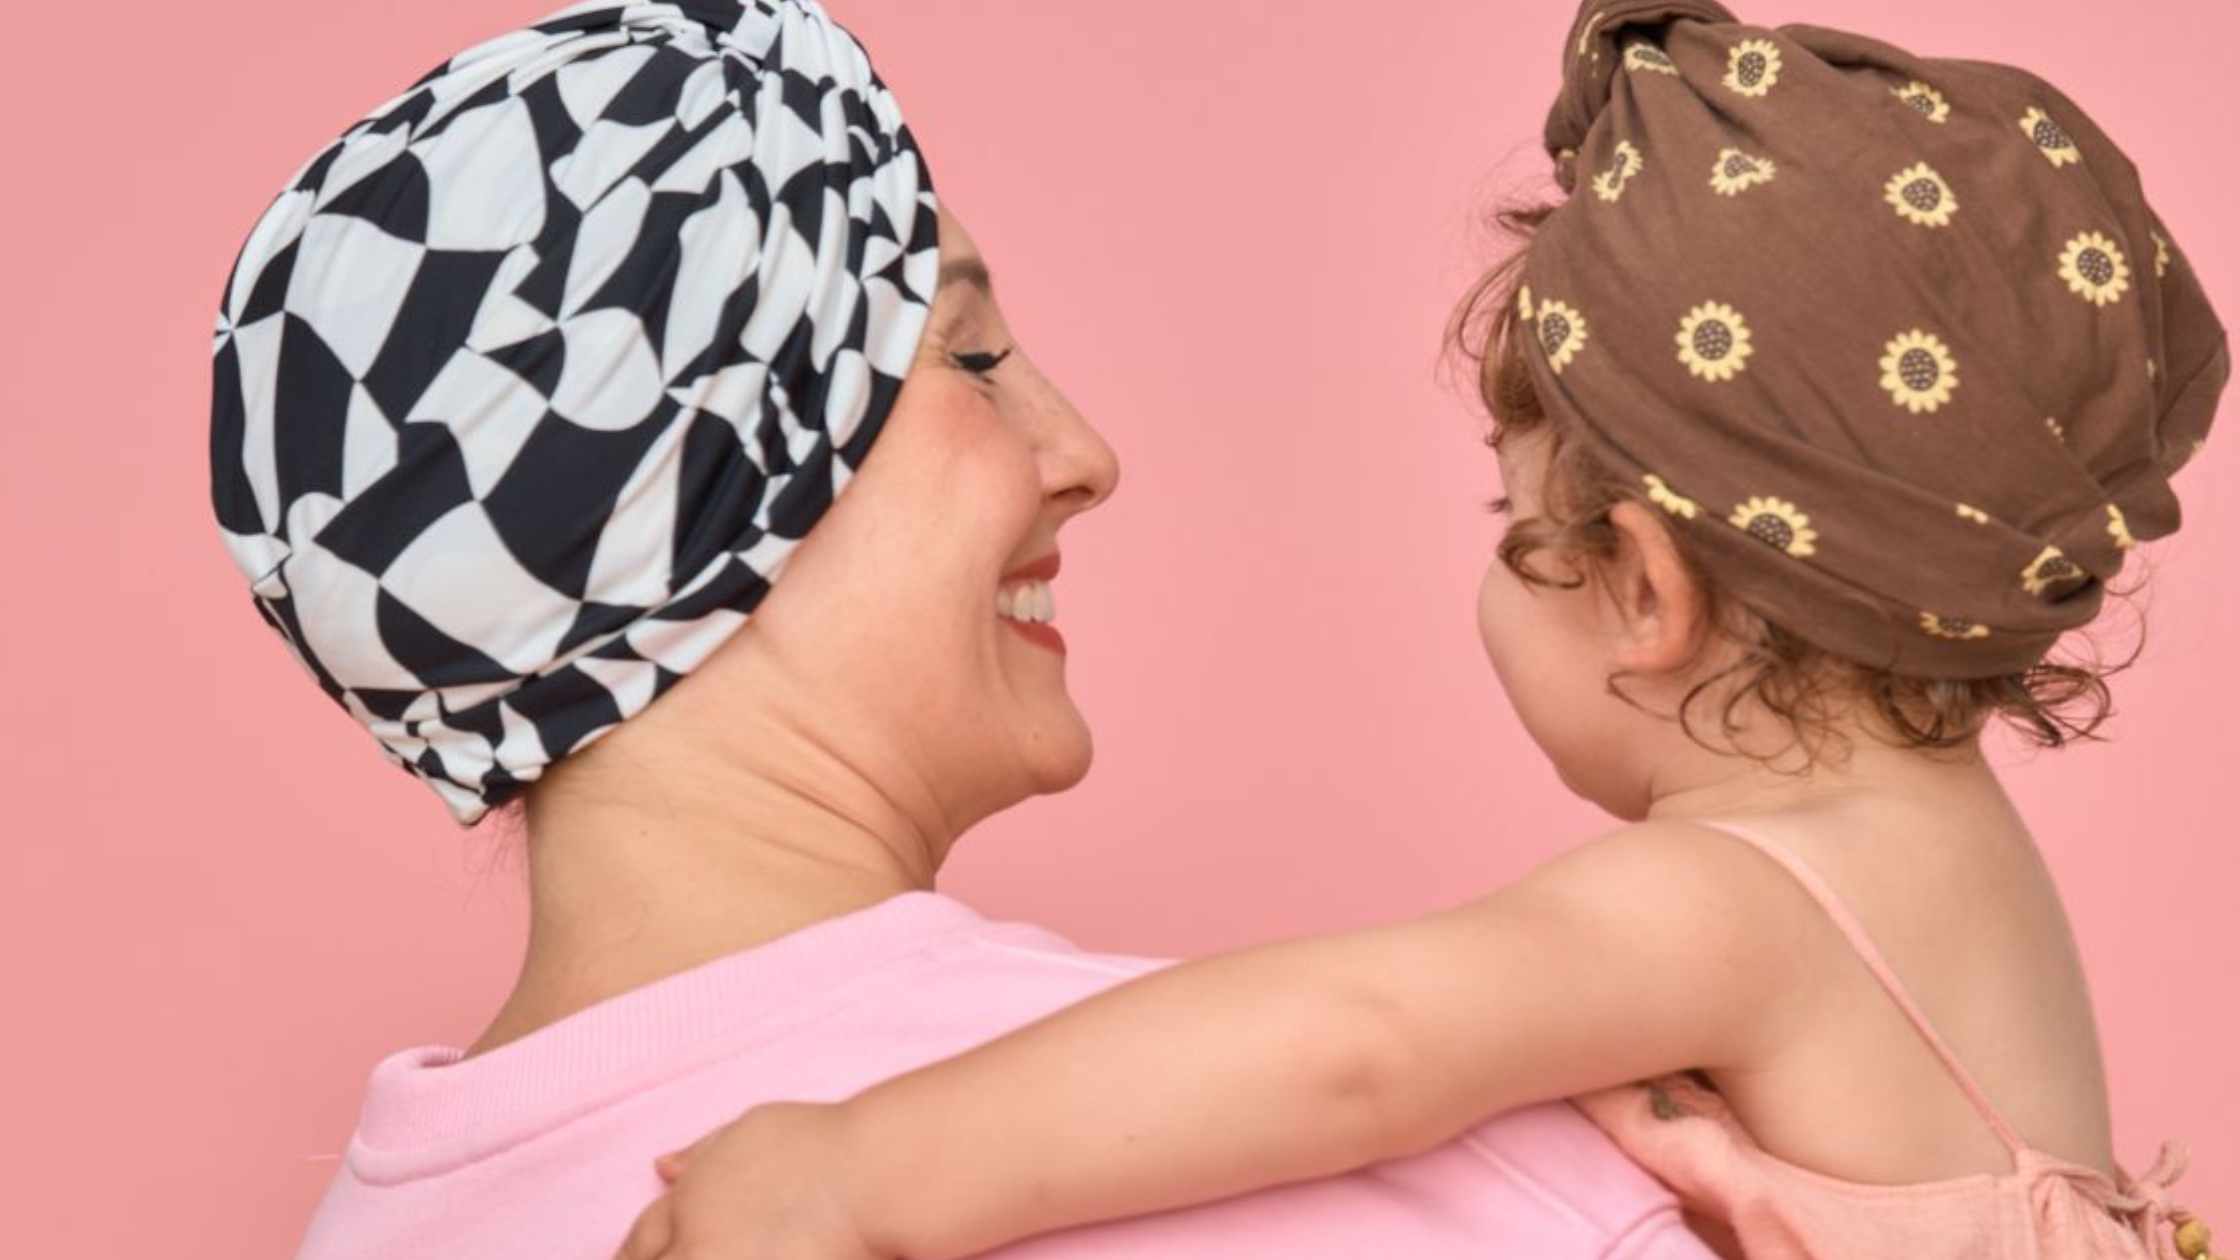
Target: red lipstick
x=1042, y=570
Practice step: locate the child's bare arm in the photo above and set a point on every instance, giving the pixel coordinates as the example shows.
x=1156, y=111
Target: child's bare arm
x=1657, y=948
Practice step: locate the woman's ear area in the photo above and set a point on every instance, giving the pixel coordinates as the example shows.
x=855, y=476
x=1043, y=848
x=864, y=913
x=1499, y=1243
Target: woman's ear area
x=1658, y=604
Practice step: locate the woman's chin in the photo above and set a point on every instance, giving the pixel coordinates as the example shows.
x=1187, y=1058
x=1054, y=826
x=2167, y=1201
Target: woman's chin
x=1059, y=757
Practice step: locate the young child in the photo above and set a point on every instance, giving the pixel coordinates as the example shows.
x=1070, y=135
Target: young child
x=1836, y=395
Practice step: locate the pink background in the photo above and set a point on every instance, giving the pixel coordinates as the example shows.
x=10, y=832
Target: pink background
x=1231, y=231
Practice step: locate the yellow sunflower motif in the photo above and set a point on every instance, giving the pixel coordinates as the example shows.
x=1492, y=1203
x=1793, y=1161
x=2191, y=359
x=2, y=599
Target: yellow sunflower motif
x=2050, y=567
x=1953, y=627
x=1925, y=100
x=1736, y=170
x=1919, y=371
x=1753, y=67
x=1649, y=57
x=1978, y=515
x=1663, y=496
x=2050, y=138
x=1524, y=301
x=2119, y=529
x=1624, y=165
x=1714, y=341
x=1920, y=195
x=2161, y=255
x=1777, y=524
x=1563, y=333
x=2095, y=268
x=1586, y=33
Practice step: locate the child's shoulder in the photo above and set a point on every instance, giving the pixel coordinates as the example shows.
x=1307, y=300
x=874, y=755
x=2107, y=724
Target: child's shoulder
x=1660, y=944
x=1687, y=902
x=1684, y=868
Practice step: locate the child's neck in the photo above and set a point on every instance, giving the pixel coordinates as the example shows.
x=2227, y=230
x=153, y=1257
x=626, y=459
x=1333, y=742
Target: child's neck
x=1949, y=782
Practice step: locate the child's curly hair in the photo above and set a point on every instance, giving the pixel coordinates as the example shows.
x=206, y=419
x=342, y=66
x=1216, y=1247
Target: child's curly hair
x=1810, y=689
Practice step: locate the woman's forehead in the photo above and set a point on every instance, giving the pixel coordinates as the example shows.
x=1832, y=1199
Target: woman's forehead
x=959, y=252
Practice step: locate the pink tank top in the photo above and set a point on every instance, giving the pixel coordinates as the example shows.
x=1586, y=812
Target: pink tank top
x=1747, y=1203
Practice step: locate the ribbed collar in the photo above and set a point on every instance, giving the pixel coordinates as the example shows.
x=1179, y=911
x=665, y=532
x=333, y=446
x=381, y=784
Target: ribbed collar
x=428, y=1110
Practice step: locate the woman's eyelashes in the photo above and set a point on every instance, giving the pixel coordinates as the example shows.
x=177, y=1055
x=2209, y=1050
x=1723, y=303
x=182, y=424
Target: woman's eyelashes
x=1498, y=506
x=981, y=362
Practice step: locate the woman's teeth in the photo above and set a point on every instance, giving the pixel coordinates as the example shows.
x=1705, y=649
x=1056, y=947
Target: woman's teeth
x=1028, y=601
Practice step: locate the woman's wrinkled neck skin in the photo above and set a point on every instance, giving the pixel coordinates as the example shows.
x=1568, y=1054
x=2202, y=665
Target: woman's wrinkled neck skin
x=716, y=827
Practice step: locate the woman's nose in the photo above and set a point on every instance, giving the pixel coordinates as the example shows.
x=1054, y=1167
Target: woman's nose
x=1080, y=469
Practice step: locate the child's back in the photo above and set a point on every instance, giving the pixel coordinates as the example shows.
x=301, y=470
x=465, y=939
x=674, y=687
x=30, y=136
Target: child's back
x=1874, y=1129
x=1944, y=879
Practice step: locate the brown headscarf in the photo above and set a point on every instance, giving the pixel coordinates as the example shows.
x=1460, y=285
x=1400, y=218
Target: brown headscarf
x=1898, y=341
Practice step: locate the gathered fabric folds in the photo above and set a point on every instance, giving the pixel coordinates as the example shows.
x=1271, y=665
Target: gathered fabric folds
x=527, y=385
x=1897, y=342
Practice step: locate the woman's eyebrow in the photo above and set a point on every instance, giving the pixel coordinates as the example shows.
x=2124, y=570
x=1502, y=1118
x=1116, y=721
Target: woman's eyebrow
x=967, y=270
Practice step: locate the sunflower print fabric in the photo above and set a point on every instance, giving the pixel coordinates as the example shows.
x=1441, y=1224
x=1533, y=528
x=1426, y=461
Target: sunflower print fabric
x=1649, y=57
x=1931, y=464
x=1953, y=627
x=1924, y=100
x=1714, y=341
x=1919, y=372
x=2051, y=140
x=1624, y=165
x=1753, y=67
x=1666, y=497
x=1779, y=525
x=1563, y=333
x=2095, y=269
x=1921, y=196
x=1733, y=171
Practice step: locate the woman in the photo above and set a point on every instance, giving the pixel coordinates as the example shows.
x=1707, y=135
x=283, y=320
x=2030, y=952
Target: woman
x=530, y=391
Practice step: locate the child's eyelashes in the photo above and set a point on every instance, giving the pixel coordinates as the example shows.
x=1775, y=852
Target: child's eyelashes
x=980, y=362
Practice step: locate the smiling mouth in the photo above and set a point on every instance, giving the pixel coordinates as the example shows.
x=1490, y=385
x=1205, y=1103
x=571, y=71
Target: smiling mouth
x=1028, y=608
x=1027, y=601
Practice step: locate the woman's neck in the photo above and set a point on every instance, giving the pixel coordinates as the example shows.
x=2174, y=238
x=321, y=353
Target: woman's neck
x=635, y=876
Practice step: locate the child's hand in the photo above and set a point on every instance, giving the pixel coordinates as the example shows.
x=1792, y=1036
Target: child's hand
x=769, y=1186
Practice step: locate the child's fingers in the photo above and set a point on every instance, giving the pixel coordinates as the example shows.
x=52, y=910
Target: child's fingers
x=649, y=1237
x=672, y=1163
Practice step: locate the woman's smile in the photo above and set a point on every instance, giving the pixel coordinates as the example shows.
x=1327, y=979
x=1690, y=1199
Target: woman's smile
x=1026, y=603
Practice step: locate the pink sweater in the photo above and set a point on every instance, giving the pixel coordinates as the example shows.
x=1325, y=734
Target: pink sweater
x=542, y=1148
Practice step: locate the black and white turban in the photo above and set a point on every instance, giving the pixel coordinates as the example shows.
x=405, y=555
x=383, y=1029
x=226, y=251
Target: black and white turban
x=529, y=383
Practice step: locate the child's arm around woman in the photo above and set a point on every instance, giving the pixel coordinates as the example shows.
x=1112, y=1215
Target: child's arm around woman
x=1656, y=948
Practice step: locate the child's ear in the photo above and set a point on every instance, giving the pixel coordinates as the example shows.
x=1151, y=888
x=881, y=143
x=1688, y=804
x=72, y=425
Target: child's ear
x=1659, y=607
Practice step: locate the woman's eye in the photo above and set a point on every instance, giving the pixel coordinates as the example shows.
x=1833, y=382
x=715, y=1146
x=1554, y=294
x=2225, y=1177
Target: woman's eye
x=981, y=362
x=1499, y=506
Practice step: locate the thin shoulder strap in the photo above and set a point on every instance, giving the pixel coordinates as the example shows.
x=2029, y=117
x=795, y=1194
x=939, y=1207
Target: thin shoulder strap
x=1864, y=946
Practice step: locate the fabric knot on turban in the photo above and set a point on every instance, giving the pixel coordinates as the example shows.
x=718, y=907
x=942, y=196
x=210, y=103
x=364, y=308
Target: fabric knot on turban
x=1596, y=61
x=528, y=383
x=1898, y=341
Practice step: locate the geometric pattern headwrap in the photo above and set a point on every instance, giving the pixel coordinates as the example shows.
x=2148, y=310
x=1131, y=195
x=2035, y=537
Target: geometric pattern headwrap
x=1897, y=342
x=528, y=384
